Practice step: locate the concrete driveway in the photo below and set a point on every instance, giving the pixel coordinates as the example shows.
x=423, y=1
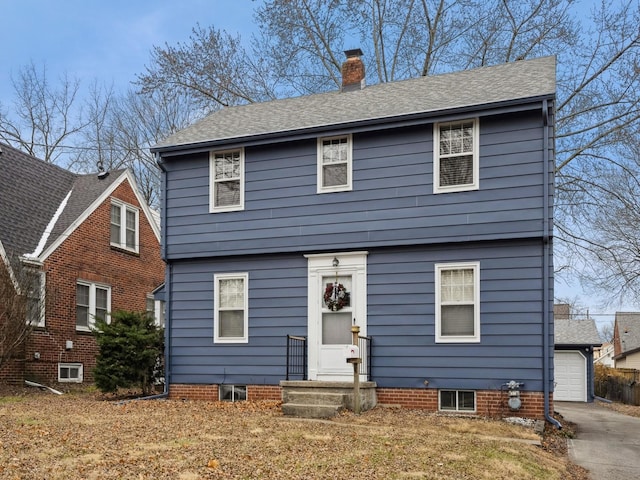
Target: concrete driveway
x=607, y=443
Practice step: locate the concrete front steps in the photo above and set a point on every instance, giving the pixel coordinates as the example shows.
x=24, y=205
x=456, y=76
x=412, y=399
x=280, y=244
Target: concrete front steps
x=317, y=399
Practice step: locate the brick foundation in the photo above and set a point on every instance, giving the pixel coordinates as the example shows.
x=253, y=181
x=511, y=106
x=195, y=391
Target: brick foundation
x=489, y=403
x=210, y=392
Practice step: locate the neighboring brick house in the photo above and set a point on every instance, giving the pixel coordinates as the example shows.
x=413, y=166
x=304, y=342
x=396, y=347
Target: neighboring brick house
x=96, y=244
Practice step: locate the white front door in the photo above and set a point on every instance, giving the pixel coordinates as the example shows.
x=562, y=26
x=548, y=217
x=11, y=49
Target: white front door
x=342, y=278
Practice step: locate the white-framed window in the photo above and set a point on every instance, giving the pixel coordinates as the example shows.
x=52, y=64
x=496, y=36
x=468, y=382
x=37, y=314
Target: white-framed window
x=457, y=400
x=226, y=180
x=457, y=308
x=455, y=156
x=92, y=301
x=125, y=219
x=156, y=309
x=231, y=308
x=334, y=164
x=36, y=297
x=232, y=393
x=70, y=372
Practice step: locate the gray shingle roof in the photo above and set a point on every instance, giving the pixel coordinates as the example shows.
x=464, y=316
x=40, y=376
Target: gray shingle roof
x=86, y=189
x=628, y=325
x=395, y=100
x=31, y=191
x=576, y=332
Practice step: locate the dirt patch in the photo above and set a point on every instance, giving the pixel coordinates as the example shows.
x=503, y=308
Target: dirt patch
x=82, y=436
x=631, y=410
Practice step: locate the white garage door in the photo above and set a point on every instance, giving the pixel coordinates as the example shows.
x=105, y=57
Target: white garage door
x=570, y=377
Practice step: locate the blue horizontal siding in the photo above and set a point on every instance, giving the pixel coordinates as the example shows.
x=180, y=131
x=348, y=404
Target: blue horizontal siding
x=400, y=303
x=392, y=200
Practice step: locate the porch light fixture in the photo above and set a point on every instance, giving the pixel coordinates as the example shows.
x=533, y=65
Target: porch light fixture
x=336, y=262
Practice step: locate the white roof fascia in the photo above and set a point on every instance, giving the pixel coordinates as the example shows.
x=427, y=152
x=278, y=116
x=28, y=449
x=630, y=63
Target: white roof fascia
x=49, y=228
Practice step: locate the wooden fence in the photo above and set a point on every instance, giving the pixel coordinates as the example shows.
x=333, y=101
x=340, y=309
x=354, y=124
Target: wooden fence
x=618, y=384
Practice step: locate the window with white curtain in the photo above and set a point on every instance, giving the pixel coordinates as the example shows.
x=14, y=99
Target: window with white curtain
x=231, y=316
x=334, y=164
x=457, y=302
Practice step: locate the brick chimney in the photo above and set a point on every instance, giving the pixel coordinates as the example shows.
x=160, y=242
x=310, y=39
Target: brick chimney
x=353, y=71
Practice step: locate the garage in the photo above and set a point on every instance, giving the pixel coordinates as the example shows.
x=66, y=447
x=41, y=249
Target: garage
x=570, y=369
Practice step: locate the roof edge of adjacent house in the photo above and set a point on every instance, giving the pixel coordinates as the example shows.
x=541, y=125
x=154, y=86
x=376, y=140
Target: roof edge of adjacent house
x=124, y=175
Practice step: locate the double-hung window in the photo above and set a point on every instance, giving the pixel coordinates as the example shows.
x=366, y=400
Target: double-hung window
x=35, y=289
x=124, y=226
x=457, y=302
x=455, y=152
x=226, y=177
x=334, y=164
x=231, y=308
x=92, y=301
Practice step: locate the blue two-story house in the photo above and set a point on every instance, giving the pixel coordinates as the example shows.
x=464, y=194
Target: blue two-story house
x=418, y=210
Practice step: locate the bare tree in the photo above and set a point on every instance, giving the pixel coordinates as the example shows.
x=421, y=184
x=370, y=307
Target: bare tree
x=213, y=68
x=604, y=225
x=131, y=124
x=22, y=306
x=45, y=120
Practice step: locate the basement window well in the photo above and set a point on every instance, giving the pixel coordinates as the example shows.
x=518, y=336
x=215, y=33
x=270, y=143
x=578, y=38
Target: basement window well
x=70, y=372
x=232, y=393
x=457, y=400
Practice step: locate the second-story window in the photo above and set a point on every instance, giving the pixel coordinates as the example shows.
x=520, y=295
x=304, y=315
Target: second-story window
x=334, y=164
x=455, y=152
x=226, y=181
x=124, y=226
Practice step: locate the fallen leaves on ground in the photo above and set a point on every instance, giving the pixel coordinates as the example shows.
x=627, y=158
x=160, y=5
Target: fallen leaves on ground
x=81, y=437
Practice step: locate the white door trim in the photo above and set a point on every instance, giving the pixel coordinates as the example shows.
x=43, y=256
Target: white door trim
x=319, y=265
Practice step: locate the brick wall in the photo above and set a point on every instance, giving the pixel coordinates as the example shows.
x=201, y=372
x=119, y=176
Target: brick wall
x=489, y=403
x=87, y=255
x=193, y=392
x=12, y=372
x=210, y=392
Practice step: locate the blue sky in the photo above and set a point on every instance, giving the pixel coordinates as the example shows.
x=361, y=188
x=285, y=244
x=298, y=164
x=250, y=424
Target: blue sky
x=108, y=40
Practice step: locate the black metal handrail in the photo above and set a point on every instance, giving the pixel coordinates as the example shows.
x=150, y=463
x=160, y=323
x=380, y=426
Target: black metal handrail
x=364, y=344
x=296, y=356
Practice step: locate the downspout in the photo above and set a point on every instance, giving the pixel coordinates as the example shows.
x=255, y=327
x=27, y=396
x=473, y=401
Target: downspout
x=546, y=257
x=167, y=277
x=167, y=288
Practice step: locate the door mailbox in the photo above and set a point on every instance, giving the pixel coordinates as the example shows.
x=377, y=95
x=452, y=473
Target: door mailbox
x=351, y=351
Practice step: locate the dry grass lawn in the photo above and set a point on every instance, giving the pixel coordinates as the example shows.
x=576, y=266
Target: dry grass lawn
x=80, y=436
